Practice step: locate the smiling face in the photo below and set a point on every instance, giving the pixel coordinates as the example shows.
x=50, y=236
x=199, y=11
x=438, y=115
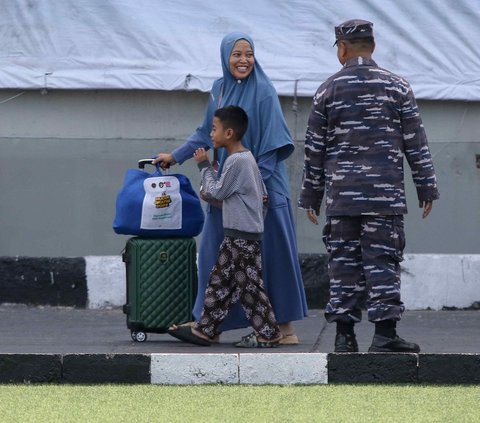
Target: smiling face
x=241, y=60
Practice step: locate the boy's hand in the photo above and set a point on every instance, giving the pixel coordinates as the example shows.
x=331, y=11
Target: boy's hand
x=200, y=155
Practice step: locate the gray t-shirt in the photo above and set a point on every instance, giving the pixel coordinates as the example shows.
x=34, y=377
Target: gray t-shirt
x=241, y=189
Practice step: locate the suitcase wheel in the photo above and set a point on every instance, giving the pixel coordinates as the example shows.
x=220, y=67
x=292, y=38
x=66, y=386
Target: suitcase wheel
x=139, y=336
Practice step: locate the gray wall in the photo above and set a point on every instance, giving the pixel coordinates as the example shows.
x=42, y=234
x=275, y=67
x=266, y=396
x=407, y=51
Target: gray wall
x=63, y=156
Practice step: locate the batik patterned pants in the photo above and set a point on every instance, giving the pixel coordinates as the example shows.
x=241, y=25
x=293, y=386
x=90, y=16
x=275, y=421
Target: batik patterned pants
x=237, y=276
x=364, y=261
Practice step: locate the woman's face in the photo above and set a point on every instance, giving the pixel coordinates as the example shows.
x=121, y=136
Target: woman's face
x=241, y=60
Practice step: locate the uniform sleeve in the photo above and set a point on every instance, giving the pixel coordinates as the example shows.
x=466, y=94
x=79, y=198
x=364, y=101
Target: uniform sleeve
x=417, y=151
x=313, y=183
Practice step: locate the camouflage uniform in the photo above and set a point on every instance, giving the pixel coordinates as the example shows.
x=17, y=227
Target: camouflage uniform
x=363, y=121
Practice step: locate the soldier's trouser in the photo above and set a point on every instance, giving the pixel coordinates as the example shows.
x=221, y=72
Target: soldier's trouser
x=364, y=254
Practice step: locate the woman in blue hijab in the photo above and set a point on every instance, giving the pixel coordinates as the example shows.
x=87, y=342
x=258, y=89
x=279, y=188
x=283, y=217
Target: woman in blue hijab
x=245, y=84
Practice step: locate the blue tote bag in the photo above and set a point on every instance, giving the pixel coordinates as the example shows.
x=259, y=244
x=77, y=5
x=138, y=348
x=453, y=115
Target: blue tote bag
x=155, y=205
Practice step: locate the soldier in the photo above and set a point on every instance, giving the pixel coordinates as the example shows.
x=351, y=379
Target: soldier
x=363, y=121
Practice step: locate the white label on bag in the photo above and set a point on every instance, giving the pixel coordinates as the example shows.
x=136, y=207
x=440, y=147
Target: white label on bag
x=162, y=204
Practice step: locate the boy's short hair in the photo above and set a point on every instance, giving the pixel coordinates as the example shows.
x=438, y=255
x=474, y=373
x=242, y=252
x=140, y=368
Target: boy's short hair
x=233, y=117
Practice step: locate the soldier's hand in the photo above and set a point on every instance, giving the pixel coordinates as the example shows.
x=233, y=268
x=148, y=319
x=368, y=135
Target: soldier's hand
x=312, y=216
x=427, y=208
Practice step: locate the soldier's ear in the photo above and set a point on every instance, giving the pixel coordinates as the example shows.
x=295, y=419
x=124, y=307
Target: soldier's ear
x=341, y=52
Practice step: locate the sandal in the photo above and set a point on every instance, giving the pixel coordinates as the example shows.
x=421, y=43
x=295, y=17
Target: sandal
x=214, y=340
x=251, y=341
x=185, y=334
x=291, y=339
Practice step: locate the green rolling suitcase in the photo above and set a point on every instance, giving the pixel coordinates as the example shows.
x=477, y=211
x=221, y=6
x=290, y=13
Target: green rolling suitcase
x=161, y=284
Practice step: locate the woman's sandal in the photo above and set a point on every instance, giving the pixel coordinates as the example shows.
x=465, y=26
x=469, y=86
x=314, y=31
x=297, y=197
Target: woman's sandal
x=291, y=339
x=251, y=341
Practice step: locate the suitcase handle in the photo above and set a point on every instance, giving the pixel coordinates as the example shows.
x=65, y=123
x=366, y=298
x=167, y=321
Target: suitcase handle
x=125, y=257
x=143, y=162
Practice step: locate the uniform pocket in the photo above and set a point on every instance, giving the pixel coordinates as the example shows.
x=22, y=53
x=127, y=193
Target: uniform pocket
x=398, y=235
x=327, y=229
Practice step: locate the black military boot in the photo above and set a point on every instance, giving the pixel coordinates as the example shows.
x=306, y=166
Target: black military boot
x=387, y=340
x=345, y=341
x=396, y=344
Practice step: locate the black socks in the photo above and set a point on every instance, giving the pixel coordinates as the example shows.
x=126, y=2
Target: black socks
x=386, y=328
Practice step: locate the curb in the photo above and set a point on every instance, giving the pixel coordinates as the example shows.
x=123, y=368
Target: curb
x=243, y=369
x=57, y=281
x=99, y=281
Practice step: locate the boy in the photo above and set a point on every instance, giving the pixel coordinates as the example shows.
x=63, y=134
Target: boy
x=237, y=272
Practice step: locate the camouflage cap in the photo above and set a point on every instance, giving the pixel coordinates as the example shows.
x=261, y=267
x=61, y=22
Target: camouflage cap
x=353, y=29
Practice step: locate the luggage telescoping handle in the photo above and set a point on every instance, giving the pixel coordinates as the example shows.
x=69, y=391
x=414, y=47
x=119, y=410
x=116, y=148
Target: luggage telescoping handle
x=143, y=162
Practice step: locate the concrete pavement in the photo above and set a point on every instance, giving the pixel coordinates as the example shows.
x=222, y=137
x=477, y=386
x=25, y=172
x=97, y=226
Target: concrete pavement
x=69, y=345
x=60, y=330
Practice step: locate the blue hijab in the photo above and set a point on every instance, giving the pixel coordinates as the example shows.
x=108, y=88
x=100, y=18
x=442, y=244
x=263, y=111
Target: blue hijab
x=267, y=130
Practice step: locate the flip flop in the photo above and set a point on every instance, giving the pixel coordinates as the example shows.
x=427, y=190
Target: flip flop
x=185, y=334
x=214, y=340
x=251, y=341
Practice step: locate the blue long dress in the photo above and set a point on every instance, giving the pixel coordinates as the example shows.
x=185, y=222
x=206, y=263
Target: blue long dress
x=269, y=140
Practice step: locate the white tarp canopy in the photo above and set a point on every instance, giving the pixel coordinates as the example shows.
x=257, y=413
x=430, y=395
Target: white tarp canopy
x=174, y=44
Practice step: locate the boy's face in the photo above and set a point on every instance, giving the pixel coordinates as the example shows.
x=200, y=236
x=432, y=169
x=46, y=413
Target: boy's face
x=220, y=136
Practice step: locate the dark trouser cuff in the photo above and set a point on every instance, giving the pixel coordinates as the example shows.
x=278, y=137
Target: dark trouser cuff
x=386, y=328
x=345, y=327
